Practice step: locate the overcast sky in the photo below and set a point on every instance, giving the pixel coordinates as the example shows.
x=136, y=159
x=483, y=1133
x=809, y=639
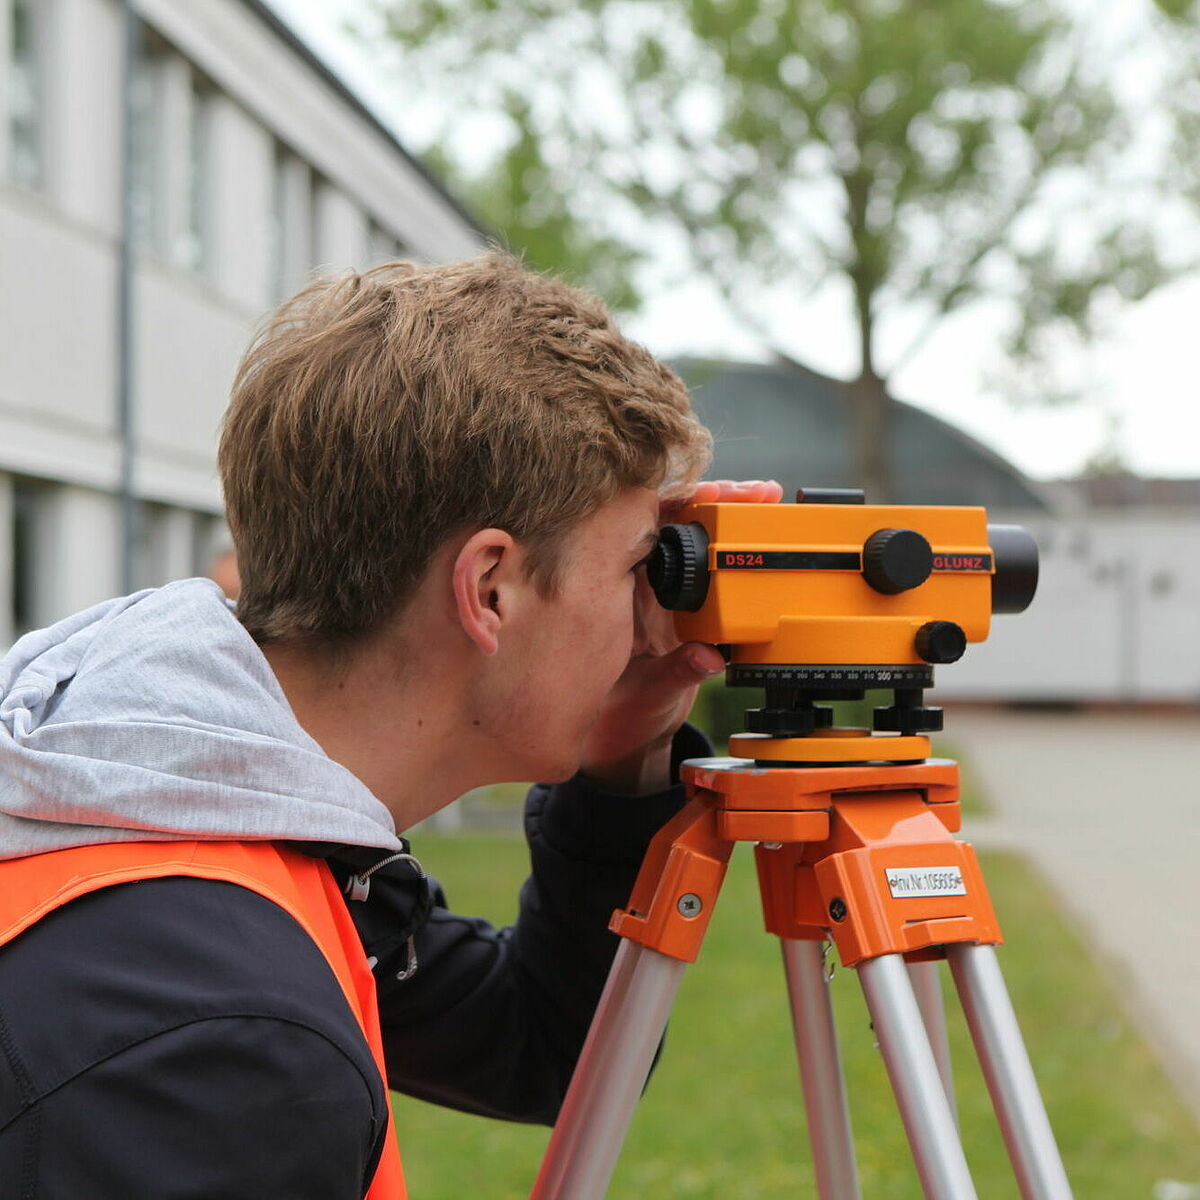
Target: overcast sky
x=1145, y=375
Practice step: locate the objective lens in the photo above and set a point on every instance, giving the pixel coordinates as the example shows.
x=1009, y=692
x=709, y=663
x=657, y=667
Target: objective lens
x=1016, y=561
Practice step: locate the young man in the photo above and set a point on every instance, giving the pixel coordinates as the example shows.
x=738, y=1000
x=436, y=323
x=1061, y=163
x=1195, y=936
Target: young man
x=441, y=483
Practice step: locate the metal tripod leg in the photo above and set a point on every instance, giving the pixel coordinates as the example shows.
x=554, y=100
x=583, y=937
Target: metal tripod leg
x=927, y=986
x=609, y=1077
x=821, y=1071
x=1006, y=1067
x=920, y=1096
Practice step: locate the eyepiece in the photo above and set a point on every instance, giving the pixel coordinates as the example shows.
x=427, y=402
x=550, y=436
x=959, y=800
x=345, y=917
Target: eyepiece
x=678, y=567
x=1016, y=561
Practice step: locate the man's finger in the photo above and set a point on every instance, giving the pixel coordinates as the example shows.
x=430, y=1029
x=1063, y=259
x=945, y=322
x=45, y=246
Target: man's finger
x=704, y=659
x=656, y=677
x=691, y=663
x=736, y=491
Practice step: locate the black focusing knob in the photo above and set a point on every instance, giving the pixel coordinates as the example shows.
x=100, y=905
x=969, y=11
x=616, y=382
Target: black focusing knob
x=896, y=560
x=941, y=642
x=678, y=567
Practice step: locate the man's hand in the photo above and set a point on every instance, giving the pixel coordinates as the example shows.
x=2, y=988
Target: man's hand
x=629, y=748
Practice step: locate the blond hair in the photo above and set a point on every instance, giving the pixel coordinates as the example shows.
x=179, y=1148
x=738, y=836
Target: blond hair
x=378, y=414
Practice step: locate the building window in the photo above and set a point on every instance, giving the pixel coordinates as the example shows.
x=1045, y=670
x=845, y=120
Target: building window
x=171, y=164
x=147, y=174
x=150, y=546
x=277, y=226
x=174, y=543
x=292, y=227
x=26, y=91
x=195, y=248
x=210, y=538
x=383, y=246
x=28, y=551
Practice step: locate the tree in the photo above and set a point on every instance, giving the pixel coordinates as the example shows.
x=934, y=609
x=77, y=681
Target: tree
x=925, y=155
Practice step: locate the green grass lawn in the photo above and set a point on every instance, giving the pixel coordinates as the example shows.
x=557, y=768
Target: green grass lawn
x=723, y=1116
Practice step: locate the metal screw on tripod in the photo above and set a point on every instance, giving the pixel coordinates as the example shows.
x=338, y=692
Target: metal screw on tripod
x=838, y=909
x=689, y=905
x=771, y=845
x=828, y=963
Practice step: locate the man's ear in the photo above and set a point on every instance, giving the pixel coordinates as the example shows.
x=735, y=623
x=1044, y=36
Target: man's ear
x=482, y=572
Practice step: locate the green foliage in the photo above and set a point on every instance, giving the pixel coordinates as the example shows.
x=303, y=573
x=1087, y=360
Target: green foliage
x=1177, y=10
x=518, y=199
x=720, y=710
x=925, y=154
x=723, y=1115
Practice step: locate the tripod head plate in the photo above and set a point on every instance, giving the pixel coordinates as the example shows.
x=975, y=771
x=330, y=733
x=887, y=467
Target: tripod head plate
x=830, y=746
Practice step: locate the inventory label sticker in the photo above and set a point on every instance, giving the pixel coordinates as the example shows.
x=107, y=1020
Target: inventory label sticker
x=906, y=882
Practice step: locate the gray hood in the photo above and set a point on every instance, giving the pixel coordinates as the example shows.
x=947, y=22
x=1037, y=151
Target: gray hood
x=156, y=716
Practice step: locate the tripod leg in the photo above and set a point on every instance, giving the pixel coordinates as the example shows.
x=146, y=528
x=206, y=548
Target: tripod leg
x=1006, y=1067
x=821, y=1071
x=609, y=1077
x=927, y=986
x=920, y=1097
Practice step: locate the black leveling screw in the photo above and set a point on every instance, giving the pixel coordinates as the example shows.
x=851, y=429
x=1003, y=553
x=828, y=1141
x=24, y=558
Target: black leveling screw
x=838, y=909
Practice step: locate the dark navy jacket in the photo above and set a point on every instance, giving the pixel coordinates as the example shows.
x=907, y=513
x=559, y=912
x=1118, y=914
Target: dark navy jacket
x=183, y=1039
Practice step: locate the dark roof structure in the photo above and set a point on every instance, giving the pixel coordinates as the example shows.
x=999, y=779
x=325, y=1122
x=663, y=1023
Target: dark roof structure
x=786, y=422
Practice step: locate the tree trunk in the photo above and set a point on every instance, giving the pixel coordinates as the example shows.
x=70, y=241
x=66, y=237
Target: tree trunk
x=867, y=400
x=868, y=409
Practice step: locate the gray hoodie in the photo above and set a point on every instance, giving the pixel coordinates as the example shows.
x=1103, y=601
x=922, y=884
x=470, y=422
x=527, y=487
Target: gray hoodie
x=154, y=717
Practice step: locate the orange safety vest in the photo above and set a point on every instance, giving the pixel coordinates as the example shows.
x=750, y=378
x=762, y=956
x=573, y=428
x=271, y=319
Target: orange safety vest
x=302, y=886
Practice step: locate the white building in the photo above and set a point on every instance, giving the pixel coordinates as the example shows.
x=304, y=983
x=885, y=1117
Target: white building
x=1116, y=618
x=247, y=165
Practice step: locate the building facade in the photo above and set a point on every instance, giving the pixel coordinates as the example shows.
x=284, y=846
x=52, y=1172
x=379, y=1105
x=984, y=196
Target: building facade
x=1116, y=618
x=169, y=169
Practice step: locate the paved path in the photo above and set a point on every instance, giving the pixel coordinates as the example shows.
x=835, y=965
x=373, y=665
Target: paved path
x=1108, y=806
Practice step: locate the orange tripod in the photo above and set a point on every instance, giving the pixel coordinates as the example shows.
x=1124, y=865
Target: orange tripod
x=854, y=846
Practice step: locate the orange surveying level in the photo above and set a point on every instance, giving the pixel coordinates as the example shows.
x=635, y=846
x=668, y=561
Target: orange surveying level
x=814, y=602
